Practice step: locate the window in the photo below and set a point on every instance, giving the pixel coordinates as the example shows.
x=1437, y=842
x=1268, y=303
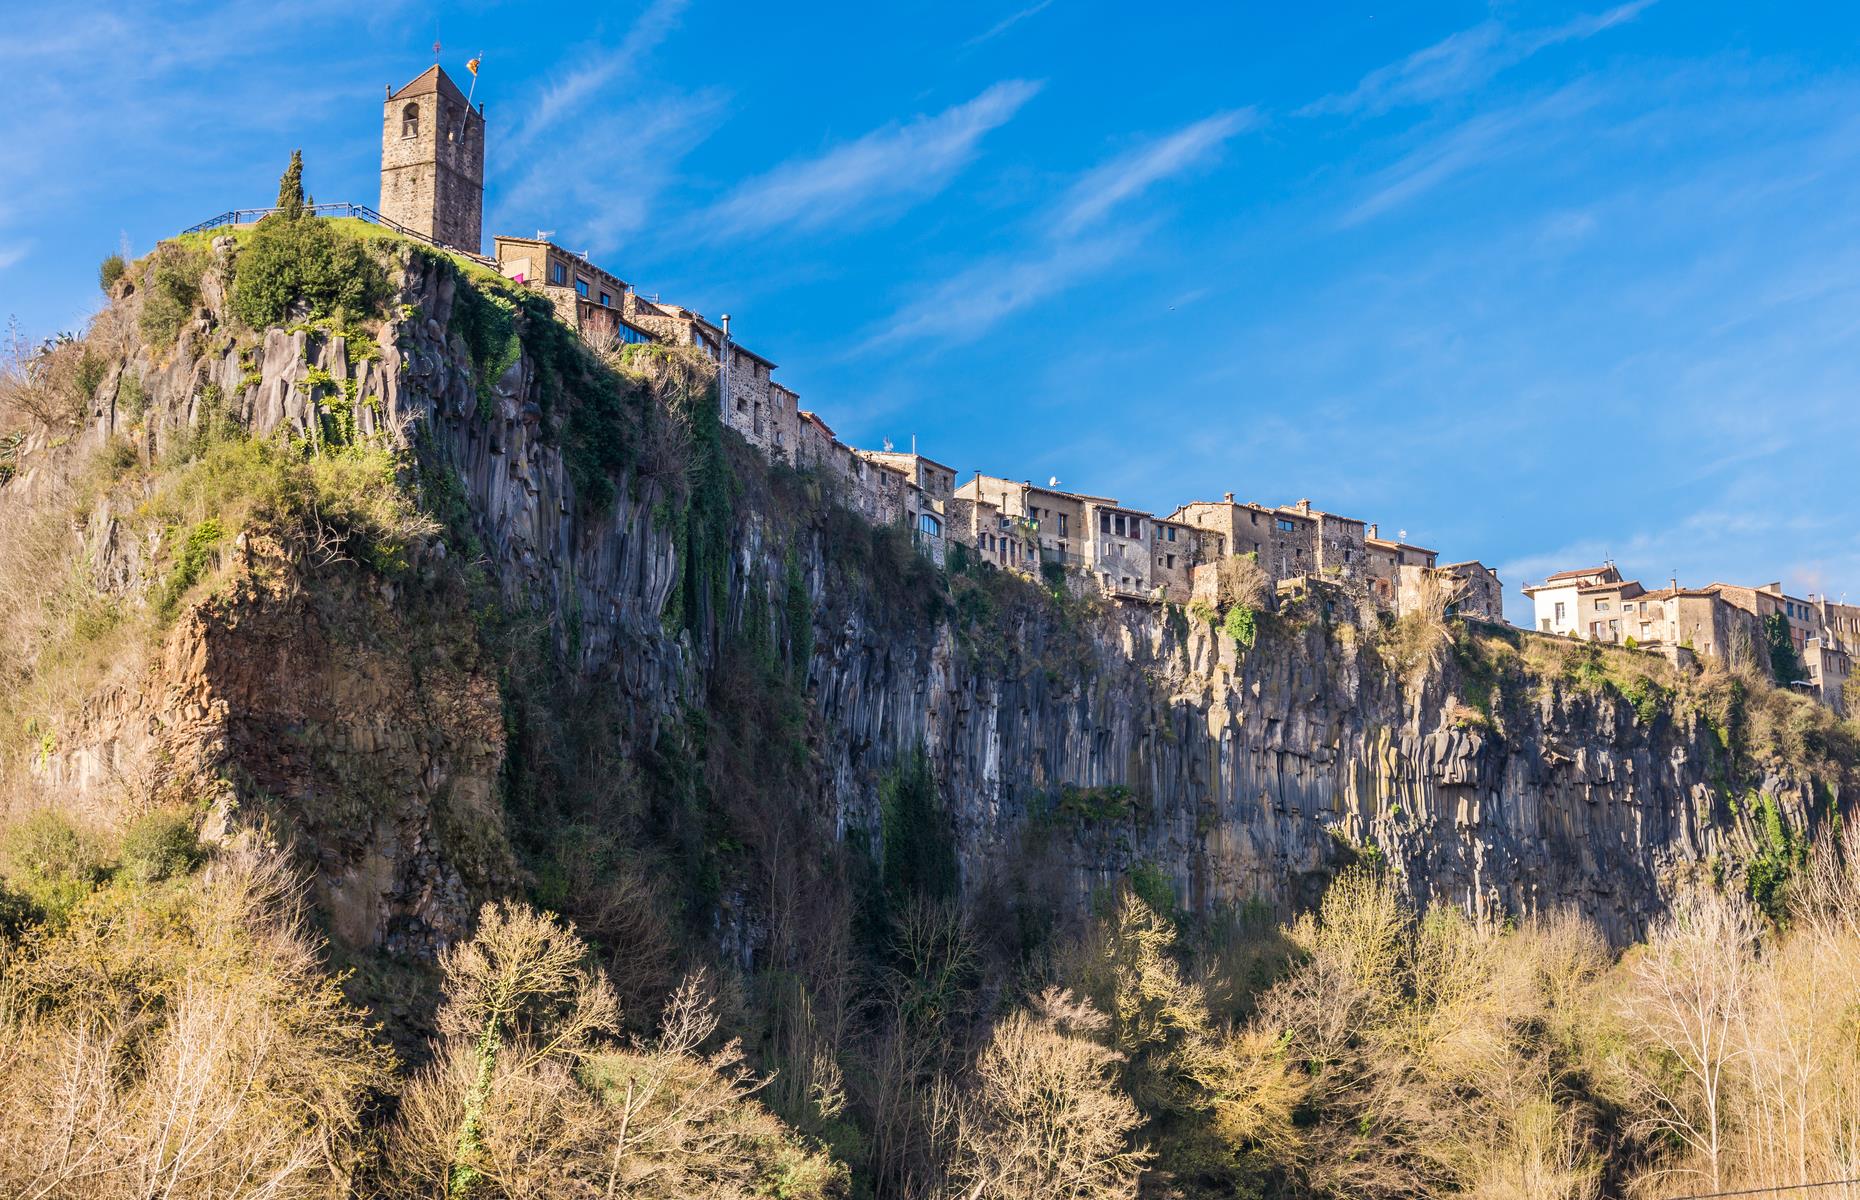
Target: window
x=1601, y=606
x=606, y=300
x=1559, y=611
x=1171, y=559
x=1346, y=554
x=1062, y=525
x=558, y=273
x=1171, y=533
x=1004, y=522
x=1104, y=522
x=1286, y=526
x=1120, y=525
x=581, y=288
x=410, y=120
x=1546, y=624
x=927, y=523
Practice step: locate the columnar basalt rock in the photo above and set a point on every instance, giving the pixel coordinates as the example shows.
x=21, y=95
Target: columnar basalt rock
x=1243, y=774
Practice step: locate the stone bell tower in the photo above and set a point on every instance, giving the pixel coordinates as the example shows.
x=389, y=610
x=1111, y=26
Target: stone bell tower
x=432, y=161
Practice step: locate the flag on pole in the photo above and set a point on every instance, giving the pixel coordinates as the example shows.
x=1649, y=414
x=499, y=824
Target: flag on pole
x=472, y=66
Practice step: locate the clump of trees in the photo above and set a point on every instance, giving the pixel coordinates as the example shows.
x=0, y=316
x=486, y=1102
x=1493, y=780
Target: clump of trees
x=299, y=267
x=184, y=1037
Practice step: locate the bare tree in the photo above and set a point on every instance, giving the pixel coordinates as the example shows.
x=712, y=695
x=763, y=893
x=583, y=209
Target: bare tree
x=1688, y=996
x=1047, y=1119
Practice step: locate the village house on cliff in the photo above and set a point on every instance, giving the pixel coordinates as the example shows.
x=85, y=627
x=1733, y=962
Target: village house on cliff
x=432, y=183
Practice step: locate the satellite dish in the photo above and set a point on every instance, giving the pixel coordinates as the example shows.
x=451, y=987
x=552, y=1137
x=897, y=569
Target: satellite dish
x=1053, y=482
x=1401, y=535
x=887, y=445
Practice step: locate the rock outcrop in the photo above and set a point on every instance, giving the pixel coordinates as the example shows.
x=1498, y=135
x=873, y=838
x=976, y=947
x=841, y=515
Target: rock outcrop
x=368, y=725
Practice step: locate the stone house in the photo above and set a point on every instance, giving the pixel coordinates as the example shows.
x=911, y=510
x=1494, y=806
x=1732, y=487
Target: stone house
x=1284, y=540
x=1829, y=665
x=1117, y=550
x=1337, y=543
x=1480, y=594
x=1802, y=618
x=1600, y=608
x=1383, y=561
x=1175, y=551
x=929, y=487
x=1556, y=601
x=1055, y=520
x=996, y=536
x=590, y=300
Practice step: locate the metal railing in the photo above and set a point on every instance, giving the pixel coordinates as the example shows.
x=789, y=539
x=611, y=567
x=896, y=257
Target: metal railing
x=360, y=212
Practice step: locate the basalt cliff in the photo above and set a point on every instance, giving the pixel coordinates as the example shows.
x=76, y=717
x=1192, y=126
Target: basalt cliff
x=607, y=614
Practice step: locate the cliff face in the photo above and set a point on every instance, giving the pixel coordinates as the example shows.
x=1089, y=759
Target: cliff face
x=366, y=716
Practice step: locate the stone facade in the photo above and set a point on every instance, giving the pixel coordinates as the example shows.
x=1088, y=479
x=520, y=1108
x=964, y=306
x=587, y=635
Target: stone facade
x=589, y=300
x=1480, y=593
x=432, y=161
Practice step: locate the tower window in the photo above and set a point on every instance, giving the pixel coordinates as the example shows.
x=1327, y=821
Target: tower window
x=410, y=121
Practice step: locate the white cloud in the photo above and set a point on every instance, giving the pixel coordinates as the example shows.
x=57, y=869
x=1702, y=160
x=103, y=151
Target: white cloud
x=1103, y=188
x=1066, y=251
x=565, y=98
x=1472, y=144
x=899, y=162
x=567, y=183
x=969, y=303
x=1008, y=22
x=13, y=254
x=1462, y=62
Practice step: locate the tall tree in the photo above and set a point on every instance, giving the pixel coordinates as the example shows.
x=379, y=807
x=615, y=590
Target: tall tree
x=291, y=188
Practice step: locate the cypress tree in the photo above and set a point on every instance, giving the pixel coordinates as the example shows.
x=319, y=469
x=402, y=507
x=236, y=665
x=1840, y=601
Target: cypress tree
x=291, y=188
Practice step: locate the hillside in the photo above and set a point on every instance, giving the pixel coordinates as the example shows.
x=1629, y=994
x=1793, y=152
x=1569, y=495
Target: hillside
x=327, y=557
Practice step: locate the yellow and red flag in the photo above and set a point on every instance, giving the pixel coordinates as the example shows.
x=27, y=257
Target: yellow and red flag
x=472, y=66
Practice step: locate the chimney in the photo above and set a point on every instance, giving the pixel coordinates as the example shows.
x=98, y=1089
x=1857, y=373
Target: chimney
x=1304, y=506
x=726, y=324
x=1229, y=497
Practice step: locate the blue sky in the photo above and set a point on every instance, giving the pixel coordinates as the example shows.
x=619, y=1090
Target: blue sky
x=1537, y=284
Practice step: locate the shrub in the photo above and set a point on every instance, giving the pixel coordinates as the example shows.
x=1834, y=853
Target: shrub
x=305, y=262
x=51, y=862
x=1241, y=625
x=190, y=564
x=110, y=270
x=160, y=845
x=172, y=293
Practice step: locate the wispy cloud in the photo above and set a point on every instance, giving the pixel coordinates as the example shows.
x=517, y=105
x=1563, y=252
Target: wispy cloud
x=897, y=163
x=1069, y=245
x=967, y=304
x=1008, y=22
x=565, y=98
x=567, y=183
x=1103, y=188
x=1471, y=145
x=1462, y=62
x=13, y=254
x=585, y=128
